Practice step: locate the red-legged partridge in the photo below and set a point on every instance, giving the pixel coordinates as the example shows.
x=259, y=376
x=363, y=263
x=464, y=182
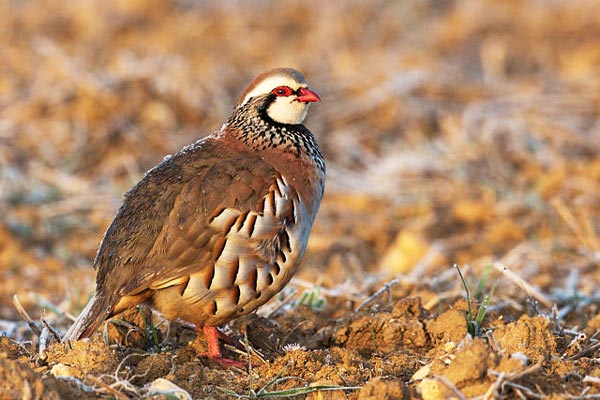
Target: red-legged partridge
x=215, y=230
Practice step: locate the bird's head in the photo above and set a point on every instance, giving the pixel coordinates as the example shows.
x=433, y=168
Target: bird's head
x=282, y=93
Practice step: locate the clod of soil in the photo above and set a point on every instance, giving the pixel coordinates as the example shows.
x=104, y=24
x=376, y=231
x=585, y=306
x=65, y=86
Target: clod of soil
x=449, y=326
x=19, y=381
x=86, y=357
x=530, y=336
x=384, y=389
x=385, y=332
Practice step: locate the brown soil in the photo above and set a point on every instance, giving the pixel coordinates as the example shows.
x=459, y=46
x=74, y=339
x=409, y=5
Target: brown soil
x=388, y=351
x=455, y=132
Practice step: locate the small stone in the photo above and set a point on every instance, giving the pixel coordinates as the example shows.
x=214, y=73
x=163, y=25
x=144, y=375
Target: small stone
x=432, y=389
x=64, y=370
x=163, y=386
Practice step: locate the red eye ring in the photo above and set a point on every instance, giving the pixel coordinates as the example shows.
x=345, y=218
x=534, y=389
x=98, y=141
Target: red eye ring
x=282, y=91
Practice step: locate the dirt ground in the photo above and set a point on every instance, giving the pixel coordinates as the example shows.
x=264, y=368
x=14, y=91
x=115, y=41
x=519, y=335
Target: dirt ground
x=459, y=133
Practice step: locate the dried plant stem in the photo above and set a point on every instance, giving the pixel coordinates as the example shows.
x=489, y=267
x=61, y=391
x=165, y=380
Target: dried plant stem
x=384, y=289
x=529, y=289
x=446, y=382
x=491, y=392
x=104, y=386
x=21, y=310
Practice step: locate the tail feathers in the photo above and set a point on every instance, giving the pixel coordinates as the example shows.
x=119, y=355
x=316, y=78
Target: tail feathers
x=94, y=313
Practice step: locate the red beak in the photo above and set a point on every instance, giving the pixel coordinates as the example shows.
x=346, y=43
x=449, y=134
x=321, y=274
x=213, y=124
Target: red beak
x=307, y=96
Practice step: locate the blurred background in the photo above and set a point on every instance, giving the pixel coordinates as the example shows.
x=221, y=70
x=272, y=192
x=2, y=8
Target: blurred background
x=454, y=132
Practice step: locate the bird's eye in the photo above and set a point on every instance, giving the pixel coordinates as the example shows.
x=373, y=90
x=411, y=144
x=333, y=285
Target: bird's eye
x=282, y=91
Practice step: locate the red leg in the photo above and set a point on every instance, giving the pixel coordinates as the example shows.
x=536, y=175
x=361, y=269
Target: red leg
x=212, y=340
x=214, y=352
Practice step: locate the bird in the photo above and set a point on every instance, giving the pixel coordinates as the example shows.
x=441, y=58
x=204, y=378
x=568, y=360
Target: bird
x=215, y=230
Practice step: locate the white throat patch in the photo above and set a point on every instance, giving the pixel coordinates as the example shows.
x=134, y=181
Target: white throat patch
x=285, y=109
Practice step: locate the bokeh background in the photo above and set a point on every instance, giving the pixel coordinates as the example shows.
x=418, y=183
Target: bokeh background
x=454, y=131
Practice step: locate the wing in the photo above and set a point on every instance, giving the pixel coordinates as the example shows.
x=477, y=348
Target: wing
x=164, y=231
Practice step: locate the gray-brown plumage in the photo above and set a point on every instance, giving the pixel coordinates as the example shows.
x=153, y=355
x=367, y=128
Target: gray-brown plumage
x=214, y=231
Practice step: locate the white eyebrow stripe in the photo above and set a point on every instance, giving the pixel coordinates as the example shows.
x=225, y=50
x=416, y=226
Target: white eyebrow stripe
x=271, y=83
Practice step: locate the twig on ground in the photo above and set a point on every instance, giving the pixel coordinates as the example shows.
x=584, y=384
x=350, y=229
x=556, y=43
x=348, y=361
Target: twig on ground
x=446, y=382
x=21, y=310
x=585, y=397
x=125, y=385
x=10, y=328
x=584, y=352
x=44, y=335
x=125, y=360
x=530, y=290
x=528, y=392
x=575, y=344
x=493, y=343
x=384, y=289
x=109, y=389
x=78, y=383
x=54, y=332
x=590, y=379
x=503, y=379
x=535, y=367
x=491, y=392
x=250, y=351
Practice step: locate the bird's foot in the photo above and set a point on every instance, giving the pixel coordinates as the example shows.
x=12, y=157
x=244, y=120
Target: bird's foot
x=229, y=363
x=214, y=352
